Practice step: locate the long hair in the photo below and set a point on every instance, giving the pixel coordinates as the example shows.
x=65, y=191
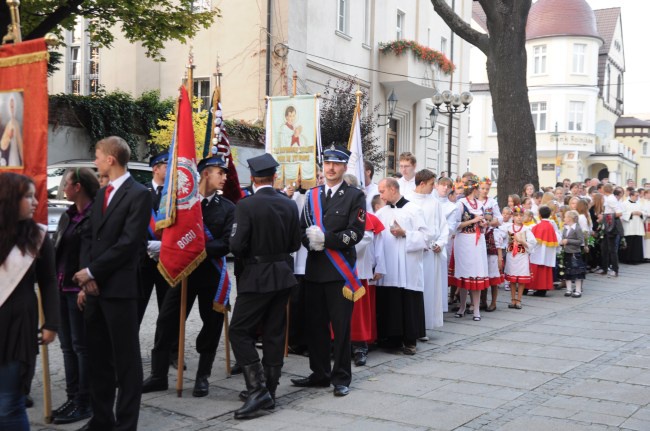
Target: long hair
x=15, y=232
x=87, y=179
x=598, y=203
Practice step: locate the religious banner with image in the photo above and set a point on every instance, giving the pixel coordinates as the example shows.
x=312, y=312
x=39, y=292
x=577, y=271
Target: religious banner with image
x=24, y=114
x=293, y=138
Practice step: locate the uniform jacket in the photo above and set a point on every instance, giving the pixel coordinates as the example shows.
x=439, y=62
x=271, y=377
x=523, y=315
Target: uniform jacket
x=575, y=239
x=266, y=232
x=118, y=240
x=218, y=218
x=344, y=219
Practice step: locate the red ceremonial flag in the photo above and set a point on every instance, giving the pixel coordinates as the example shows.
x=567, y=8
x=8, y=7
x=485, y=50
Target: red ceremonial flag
x=23, y=115
x=183, y=240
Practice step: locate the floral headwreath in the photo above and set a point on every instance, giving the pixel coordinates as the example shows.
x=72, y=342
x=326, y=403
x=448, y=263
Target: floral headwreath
x=517, y=209
x=486, y=180
x=472, y=183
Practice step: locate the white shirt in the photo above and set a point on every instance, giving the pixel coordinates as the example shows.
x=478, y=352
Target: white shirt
x=256, y=188
x=117, y=183
x=333, y=188
x=612, y=205
x=371, y=191
x=406, y=186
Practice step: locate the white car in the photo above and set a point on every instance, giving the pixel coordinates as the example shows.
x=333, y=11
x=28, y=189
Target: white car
x=56, y=202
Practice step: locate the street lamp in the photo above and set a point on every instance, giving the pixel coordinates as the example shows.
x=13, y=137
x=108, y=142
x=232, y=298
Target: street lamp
x=392, y=103
x=432, y=119
x=453, y=104
x=556, y=135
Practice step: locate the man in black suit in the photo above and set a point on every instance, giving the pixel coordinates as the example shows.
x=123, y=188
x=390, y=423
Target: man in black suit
x=265, y=233
x=218, y=216
x=343, y=219
x=150, y=275
x=119, y=220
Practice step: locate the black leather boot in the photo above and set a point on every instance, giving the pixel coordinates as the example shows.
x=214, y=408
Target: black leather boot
x=157, y=381
x=258, y=396
x=272, y=375
x=201, y=385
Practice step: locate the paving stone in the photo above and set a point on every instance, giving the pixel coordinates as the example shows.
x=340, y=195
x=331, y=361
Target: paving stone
x=612, y=391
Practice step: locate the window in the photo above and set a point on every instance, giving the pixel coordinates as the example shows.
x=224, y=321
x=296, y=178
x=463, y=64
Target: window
x=75, y=70
x=342, y=17
x=93, y=70
x=199, y=6
x=202, y=91
x=400, y=25
x=539, y=59
x=538, y=111
x=619, y=92
x=645, y=148
x=579, y=50
x=494, y=170
x=443, y=45
x=576, y=116
x=440, y=155
x=608, y=77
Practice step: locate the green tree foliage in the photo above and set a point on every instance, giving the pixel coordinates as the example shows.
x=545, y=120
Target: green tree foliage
x=336, y=112
x=150, y=22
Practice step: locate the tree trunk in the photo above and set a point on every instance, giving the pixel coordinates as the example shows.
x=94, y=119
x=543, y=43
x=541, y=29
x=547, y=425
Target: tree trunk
x=506, y=70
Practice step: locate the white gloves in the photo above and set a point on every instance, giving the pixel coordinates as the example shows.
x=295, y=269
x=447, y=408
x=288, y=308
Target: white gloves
x=153, y=249
x=316, y=238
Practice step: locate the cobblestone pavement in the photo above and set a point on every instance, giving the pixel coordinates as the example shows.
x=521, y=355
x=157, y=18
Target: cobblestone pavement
x=557, y=364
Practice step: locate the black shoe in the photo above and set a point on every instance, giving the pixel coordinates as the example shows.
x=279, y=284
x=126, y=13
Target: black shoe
x=310, y=382
x=64, y=409
x=236, y=369
x=259, y=397
x=154, y=384
x=341, y=391
x=201, y=387
x=174, y=363
x=29, y=401
x=539, y=293
x=75, y=415
x=360, y=359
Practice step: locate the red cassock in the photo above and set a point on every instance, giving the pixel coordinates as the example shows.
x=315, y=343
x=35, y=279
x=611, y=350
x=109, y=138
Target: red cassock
x=363, y=326
x=542, y=274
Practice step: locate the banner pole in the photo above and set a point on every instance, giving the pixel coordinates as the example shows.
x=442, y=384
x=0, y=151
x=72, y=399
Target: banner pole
x=295, y=81
x=226, y=342
x=286, y=332
x=45, y=358
x=181, y=339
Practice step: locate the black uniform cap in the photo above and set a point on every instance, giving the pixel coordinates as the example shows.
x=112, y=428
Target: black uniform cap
x=262, y=166
x=213, y=161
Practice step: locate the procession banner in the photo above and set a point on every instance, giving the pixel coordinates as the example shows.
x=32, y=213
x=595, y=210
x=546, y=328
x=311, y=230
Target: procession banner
x=23, y=115
x=293, y=138
x=183, y=240
x=217, y=143
x=355, y=164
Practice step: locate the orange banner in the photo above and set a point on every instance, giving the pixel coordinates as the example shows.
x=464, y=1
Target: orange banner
x=23, y=115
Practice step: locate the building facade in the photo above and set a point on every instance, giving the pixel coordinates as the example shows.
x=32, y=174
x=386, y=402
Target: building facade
x=260, y=44
x=575, y=73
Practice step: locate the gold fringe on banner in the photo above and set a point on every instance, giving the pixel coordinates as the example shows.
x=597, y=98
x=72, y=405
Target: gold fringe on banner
x=354, y=297
x=185, y=273
x=16, y=60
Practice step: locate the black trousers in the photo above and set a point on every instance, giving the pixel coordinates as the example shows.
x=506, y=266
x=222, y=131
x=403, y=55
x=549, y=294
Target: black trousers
x=326, y=304
x=167, y=325
x=150, y=277
x=114, y=354
x=609, y=251
x=255, y=310
x=298, y=315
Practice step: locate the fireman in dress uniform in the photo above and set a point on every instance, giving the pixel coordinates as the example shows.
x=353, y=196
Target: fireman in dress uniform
x=331, y=255
x=265, y=233
x=218, y=216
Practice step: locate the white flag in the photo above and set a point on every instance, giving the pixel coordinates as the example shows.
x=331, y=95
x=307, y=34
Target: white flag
x=355, y=164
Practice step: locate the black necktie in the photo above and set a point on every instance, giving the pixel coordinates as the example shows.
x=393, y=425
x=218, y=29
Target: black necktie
x=205, y=202
x=329, y=195
x=156, y=201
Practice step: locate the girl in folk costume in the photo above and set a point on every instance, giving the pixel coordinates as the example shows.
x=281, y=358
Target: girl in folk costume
x=26, y=257
x=453, y=197
x=517, y=268
x=495, y=260
x=506, y=212
x=471, y=267
x=573, y=240
x=542, y=258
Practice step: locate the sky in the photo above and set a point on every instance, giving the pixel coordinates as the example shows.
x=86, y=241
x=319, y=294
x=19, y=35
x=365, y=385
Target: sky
x=635, y=15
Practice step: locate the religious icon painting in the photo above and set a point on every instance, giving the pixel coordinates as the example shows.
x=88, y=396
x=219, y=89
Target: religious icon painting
x=11, y=129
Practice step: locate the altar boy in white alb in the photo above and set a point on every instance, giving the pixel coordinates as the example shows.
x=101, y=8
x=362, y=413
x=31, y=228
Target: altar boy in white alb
x=435, y=256
x=400, y=303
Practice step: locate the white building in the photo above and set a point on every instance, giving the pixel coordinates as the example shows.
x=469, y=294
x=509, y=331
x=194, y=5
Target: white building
x=322, y=41
x=575, y=85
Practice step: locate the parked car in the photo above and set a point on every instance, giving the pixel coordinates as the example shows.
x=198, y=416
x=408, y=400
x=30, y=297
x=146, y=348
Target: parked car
x=56, y=202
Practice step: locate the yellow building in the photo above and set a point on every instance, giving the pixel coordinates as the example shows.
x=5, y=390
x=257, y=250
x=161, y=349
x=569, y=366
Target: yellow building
x=634, y=133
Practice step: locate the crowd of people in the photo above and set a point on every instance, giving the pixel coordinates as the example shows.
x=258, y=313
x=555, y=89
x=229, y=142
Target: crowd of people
x=359, y=267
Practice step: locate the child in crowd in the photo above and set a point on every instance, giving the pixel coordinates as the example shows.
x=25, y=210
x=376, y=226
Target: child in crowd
x=517, y=267
x=376, y=203
x=493, y=243
x=529, y=218
x=543, y=257
x=514, y=201
x=572, y=241
x=506, y=213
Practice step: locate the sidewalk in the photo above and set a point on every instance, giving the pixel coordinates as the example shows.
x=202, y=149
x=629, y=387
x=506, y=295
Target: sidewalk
x=559, y=363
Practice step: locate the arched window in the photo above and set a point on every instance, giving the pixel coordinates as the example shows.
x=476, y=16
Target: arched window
x=619, y=92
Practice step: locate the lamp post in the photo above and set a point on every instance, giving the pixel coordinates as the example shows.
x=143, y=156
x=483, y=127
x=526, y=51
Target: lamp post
x=451, y=103
x=392, y=103
x=556, y=135
x=432, y=119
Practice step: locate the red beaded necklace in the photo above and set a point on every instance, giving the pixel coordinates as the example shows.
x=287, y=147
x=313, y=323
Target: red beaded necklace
x=514, y=228
x=473, y=205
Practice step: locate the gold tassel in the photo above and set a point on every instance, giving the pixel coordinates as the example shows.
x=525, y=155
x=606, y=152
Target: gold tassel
x=186, y=272
x=16, y=60
x=353, y=296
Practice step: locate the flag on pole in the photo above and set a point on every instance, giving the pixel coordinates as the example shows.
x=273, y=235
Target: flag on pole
x=183, y=238
x=218, y=143
x=355, y=164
